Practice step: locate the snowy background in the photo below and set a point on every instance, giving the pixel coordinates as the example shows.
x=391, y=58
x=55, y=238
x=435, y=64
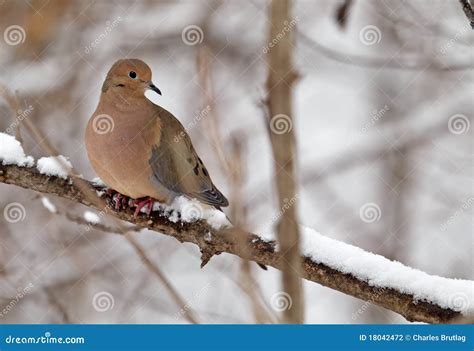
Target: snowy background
x=383, y=113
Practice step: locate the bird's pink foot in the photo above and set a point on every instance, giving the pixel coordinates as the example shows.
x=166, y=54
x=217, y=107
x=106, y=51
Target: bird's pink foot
x=141, y=204
x=118, y=199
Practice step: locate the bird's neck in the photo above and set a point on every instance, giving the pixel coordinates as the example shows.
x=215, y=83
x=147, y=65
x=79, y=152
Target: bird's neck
x=124, y=101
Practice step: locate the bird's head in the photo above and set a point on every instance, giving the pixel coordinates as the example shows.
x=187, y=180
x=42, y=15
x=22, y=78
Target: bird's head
x=129, y=77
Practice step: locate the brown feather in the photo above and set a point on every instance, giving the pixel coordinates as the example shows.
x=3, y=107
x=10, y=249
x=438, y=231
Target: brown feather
x=177, y=166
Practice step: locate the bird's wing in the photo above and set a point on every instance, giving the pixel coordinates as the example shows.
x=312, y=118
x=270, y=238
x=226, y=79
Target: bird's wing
x=177, y=166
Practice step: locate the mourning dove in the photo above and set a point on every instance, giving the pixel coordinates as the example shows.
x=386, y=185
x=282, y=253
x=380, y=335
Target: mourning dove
x=141, y=150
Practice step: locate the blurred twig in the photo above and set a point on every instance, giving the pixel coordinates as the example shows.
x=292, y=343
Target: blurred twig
x=371, y=154
x=279, y=82
x=212, y=121
x=189, y=315
x=380, y=62
x=342, y=12
x=247, y=281
x=53, y=300
x=468, y=11
x=418, y=22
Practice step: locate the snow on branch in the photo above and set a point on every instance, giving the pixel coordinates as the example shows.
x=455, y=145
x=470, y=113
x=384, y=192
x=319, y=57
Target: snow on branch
x=413, y=294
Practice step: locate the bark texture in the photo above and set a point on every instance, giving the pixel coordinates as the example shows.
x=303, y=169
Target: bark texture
x=279, y=86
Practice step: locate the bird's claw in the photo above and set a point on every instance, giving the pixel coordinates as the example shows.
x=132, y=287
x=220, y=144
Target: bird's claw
x=141, y=204
x=119, y=200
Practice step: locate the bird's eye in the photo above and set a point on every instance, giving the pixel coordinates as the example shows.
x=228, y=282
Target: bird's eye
x=132, y=74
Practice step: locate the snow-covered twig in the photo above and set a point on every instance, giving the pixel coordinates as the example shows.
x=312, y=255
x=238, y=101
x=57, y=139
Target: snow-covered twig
x=398, y=299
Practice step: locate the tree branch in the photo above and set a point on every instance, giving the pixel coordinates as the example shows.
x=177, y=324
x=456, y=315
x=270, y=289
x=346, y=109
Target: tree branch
x=342, y=13
x=467, y=8
x=398, y=63
x=227, y=241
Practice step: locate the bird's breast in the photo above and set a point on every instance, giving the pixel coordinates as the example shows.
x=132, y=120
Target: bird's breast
x=119, y=153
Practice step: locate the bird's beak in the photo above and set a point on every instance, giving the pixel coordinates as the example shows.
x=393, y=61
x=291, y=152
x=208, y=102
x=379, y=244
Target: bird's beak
x=153, y=87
